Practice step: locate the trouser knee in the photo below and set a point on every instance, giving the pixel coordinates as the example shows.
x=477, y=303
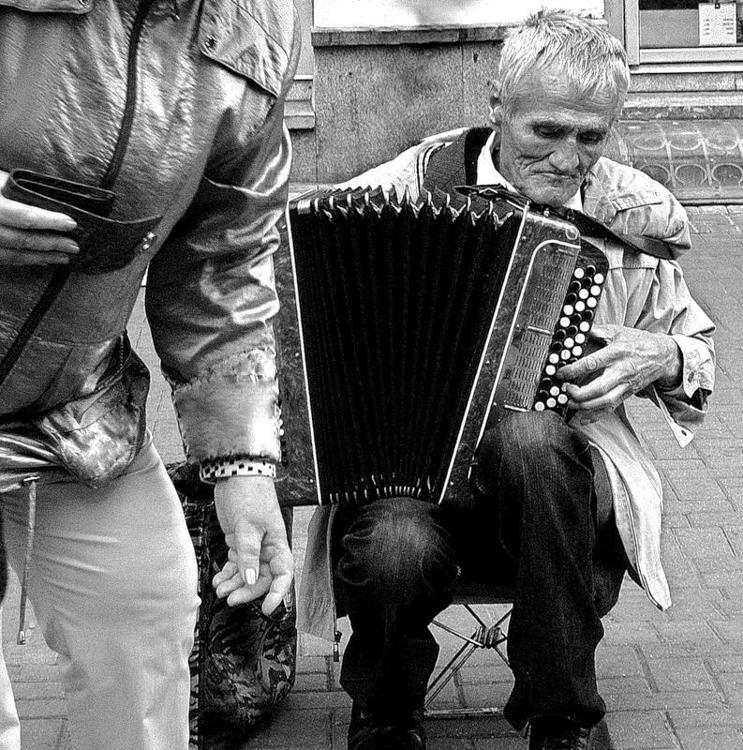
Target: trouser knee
x=395, y=554
x=528, y=448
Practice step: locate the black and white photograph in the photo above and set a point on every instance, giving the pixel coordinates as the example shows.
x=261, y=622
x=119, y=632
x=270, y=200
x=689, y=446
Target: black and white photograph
x=371, y=375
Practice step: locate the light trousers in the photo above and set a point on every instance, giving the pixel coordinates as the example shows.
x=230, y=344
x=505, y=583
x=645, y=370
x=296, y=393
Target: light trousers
x=113, y=587
x=10, y=728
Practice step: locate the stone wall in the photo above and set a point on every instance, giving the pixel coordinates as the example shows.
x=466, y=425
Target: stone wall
x=375, y=99
x=376, y=93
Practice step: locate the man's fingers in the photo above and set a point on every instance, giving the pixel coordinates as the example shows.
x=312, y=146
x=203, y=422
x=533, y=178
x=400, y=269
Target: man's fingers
x=226, y=587
x=587, y=366
x=12, y=257
x=586, y=399
x=22, y=216
x=246, y=594
x=229, y=569
x=247, y=543
x=603, y=334
x=277, y=593
x=38, y=241
x=582, y=394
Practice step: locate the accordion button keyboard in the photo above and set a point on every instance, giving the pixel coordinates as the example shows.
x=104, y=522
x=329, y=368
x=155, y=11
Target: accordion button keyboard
x=569, y=335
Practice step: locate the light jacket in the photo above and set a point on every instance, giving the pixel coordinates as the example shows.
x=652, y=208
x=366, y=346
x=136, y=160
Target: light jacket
x=207, y=150
x=641, y=291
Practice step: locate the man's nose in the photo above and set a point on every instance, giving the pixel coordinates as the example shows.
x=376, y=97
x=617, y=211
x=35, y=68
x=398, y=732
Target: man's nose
x=565, y=157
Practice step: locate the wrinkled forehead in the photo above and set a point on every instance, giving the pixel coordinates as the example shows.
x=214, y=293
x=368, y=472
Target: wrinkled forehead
x=551, y=89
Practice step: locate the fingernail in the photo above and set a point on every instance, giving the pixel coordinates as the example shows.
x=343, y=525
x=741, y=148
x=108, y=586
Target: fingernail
x=249, y=576
x=69, y=224
x=70, y=247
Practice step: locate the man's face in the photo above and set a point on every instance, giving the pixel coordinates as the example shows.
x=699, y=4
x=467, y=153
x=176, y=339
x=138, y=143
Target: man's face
x=552, y=136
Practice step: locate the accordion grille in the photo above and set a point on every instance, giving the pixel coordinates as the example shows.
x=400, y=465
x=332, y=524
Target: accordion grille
x=396, y=303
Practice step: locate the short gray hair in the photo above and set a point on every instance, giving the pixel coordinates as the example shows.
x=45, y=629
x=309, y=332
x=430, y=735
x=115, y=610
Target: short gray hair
x=590, y=57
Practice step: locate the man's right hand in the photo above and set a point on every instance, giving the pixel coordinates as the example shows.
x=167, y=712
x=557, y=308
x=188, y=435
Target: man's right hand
x=31, y=236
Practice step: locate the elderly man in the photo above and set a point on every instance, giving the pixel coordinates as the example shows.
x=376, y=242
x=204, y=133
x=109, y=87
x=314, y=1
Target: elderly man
x=564, y=509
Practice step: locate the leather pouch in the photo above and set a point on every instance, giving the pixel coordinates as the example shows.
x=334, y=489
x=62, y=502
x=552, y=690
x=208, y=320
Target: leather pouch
x=97, y=436
x=93, y=437
x=105, y=244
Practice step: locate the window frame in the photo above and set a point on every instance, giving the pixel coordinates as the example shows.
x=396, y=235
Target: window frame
x=638, y=56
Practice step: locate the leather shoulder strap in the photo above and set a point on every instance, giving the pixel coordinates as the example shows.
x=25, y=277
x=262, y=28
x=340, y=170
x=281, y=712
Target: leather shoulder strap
x=456, y=164
x=591, y=228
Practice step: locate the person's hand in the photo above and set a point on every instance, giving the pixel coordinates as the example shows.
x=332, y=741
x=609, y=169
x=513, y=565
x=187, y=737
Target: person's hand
x=259, y=559
x=629, y=361
x=31, y=236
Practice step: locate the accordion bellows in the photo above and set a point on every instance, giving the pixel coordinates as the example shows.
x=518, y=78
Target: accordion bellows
x=423, y=321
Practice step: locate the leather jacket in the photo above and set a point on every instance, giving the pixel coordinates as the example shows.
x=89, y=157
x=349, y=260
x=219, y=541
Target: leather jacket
x=192, y=91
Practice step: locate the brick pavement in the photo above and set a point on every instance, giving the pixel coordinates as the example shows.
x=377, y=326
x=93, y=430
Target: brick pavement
x=672, y=681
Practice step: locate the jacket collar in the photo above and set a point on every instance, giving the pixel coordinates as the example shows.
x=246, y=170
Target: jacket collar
x=252, y=38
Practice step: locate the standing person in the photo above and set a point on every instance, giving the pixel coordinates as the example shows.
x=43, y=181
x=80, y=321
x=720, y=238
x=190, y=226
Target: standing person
x=176, y=107
x=563, y=509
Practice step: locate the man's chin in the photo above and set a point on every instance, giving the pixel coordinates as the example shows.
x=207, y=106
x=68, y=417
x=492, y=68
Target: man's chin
x=550, y=194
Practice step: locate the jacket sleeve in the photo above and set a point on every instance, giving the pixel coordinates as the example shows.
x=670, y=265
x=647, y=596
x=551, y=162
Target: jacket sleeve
x=671, y=309
x=404, y=173
x=660, y=300
x=211, y=295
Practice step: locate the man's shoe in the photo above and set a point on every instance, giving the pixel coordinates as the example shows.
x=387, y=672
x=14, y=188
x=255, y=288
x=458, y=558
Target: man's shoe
x=558, y=734
x=371, y=731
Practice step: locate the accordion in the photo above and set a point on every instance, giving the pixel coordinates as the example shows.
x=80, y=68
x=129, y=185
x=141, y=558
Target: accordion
x=423, y=322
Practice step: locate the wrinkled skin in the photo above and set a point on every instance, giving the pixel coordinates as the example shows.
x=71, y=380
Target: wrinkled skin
x=551, y=134
x=259, y=559
x=628, y=361
x=548, y=137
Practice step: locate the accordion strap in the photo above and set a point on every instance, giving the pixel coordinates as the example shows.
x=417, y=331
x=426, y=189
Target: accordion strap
x=591, y=228
x=456, y=165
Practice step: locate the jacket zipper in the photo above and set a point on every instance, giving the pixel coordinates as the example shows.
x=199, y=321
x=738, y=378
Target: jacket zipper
x=61, y=274
x=131, y=96
x=60, y=277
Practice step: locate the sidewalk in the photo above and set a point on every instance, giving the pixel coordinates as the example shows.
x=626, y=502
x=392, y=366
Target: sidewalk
x=672, y=681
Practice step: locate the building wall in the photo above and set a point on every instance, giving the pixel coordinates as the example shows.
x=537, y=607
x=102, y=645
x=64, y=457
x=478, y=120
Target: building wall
x=373, y=100
x=376, y=91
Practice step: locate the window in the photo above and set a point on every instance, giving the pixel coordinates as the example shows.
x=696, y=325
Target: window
x=410, y=14
x=683, y=30
x=299, y=111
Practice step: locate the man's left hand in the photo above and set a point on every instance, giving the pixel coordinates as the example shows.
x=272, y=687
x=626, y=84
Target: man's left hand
x=260, y=559
x=629, y=361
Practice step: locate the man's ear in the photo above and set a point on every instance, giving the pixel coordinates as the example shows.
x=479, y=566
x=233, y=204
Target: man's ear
x=495, y=116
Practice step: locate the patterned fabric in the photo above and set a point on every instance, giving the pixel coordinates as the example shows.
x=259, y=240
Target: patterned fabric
x=243, y=663
x=235, y=466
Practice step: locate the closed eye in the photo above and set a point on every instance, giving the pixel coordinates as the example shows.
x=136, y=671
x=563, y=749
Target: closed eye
x=592, y=138
x=549, y=132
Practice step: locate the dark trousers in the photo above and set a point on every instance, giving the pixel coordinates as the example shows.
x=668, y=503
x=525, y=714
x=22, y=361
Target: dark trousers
x=538, y=524
x=3, y=560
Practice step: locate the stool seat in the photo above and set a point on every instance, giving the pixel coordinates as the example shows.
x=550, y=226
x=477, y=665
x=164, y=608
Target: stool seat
x=470, y=593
